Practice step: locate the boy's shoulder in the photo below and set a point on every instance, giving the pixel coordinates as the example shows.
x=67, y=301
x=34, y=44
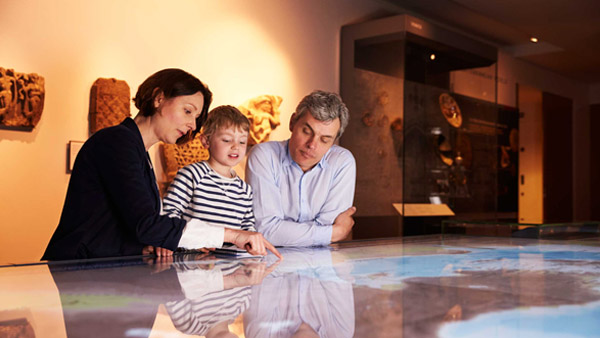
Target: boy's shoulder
x=197, y=170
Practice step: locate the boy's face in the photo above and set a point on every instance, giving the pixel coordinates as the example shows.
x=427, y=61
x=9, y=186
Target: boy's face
x=227, y=147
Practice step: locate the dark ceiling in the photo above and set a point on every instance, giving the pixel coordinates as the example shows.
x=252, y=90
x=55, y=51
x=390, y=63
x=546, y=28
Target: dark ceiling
x=568, y=30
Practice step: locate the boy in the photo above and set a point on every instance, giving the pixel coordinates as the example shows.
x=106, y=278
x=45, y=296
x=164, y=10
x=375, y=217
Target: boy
x=210, y=190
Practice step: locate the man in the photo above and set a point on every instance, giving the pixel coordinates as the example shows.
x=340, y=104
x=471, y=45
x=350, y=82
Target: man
x=304, y=187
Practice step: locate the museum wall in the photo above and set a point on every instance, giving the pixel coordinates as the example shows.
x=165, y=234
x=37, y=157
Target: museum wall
x=241, y=49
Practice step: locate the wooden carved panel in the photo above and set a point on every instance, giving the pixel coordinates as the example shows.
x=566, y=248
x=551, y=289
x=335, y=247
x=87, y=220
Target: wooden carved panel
x=109, y=103
x=21, y=99
x=263, y=113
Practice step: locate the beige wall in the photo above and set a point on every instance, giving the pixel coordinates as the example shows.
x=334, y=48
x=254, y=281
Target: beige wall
x=240, y=48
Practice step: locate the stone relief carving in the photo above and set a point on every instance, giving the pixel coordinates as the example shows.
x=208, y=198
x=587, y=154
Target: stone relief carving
x=109, y=103
x=263, y=113
x=175, y=157
x=21, y=99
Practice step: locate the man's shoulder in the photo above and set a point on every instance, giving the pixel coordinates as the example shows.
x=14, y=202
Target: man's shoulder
x=339, y=154
x=268, y=149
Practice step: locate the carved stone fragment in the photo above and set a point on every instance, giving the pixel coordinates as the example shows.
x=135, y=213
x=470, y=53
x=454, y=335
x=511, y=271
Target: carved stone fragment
x=21, y=99
x=263, y=113
x=176, y=157
x=109, y=103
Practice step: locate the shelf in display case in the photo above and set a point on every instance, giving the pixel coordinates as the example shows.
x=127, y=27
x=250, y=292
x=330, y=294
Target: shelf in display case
x=422, y=209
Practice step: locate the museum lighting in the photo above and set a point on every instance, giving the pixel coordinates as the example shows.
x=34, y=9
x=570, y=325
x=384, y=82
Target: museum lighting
x=533, y=39
x=432, y=57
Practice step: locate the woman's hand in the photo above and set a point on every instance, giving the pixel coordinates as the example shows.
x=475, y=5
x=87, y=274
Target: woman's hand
x=253, y=242
x=159, y=252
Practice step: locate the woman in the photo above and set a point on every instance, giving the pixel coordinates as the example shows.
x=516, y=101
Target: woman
x=113, y=206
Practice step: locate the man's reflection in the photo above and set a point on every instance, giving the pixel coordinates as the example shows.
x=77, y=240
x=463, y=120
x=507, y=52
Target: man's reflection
x=121, y=298
x=307, y=295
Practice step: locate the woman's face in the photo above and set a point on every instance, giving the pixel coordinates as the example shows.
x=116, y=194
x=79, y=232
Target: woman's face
x=176, y=116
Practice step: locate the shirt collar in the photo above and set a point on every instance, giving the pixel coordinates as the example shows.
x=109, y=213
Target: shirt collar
x=288, y=161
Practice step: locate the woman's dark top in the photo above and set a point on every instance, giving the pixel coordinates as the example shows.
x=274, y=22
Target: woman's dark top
x=112, y=206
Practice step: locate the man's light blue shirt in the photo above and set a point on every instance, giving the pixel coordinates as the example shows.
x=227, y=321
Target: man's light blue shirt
x=296, y=208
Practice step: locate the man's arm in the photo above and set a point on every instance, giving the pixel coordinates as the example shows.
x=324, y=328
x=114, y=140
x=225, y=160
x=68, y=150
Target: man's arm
x=338, y=210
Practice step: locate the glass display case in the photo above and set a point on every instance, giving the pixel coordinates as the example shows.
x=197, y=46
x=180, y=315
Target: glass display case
x=553, y=231
x=425, y=127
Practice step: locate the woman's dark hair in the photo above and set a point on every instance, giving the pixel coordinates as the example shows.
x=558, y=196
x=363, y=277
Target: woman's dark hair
x=172, y=82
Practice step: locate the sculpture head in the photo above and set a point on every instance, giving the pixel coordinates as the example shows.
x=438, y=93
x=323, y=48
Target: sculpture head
x=263, y=113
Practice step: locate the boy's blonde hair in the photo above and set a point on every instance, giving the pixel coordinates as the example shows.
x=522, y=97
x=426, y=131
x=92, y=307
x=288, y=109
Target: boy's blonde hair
x=224, y=117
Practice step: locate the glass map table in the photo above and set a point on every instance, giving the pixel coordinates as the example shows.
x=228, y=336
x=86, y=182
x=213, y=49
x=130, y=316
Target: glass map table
x=423, y=286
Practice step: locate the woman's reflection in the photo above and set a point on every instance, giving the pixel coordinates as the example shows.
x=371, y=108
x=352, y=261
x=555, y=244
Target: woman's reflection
x=120, y=298
x=307, y=295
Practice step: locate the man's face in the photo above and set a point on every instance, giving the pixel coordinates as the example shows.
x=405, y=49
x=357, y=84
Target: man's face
x=311, y=139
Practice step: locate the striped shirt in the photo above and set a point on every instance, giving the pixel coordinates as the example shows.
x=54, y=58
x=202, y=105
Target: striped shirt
x=198, y=192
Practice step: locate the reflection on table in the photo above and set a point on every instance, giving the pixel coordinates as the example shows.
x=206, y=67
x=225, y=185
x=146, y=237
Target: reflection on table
x=422, y=286
x=313, y=298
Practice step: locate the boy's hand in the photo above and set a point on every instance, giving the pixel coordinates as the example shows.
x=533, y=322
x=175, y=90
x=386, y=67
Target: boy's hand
x=253, y=242
x=250, y=273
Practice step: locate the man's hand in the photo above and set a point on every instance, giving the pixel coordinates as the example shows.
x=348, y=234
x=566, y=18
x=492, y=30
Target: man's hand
x=253, y=242
x=342, y=225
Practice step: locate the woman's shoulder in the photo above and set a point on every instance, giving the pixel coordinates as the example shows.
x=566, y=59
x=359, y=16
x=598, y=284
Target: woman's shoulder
x=127, y=130
x=124, y=135
x=115, y=142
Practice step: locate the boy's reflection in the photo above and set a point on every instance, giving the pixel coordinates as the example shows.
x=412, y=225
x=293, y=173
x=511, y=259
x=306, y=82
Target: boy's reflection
x=121, y=298
x=307, y=295
x=214, y=296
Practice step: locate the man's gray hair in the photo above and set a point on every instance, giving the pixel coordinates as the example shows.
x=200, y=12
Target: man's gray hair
x=323, y=106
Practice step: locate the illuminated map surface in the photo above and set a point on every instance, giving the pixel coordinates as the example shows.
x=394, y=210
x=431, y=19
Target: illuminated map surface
x=424, y=286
